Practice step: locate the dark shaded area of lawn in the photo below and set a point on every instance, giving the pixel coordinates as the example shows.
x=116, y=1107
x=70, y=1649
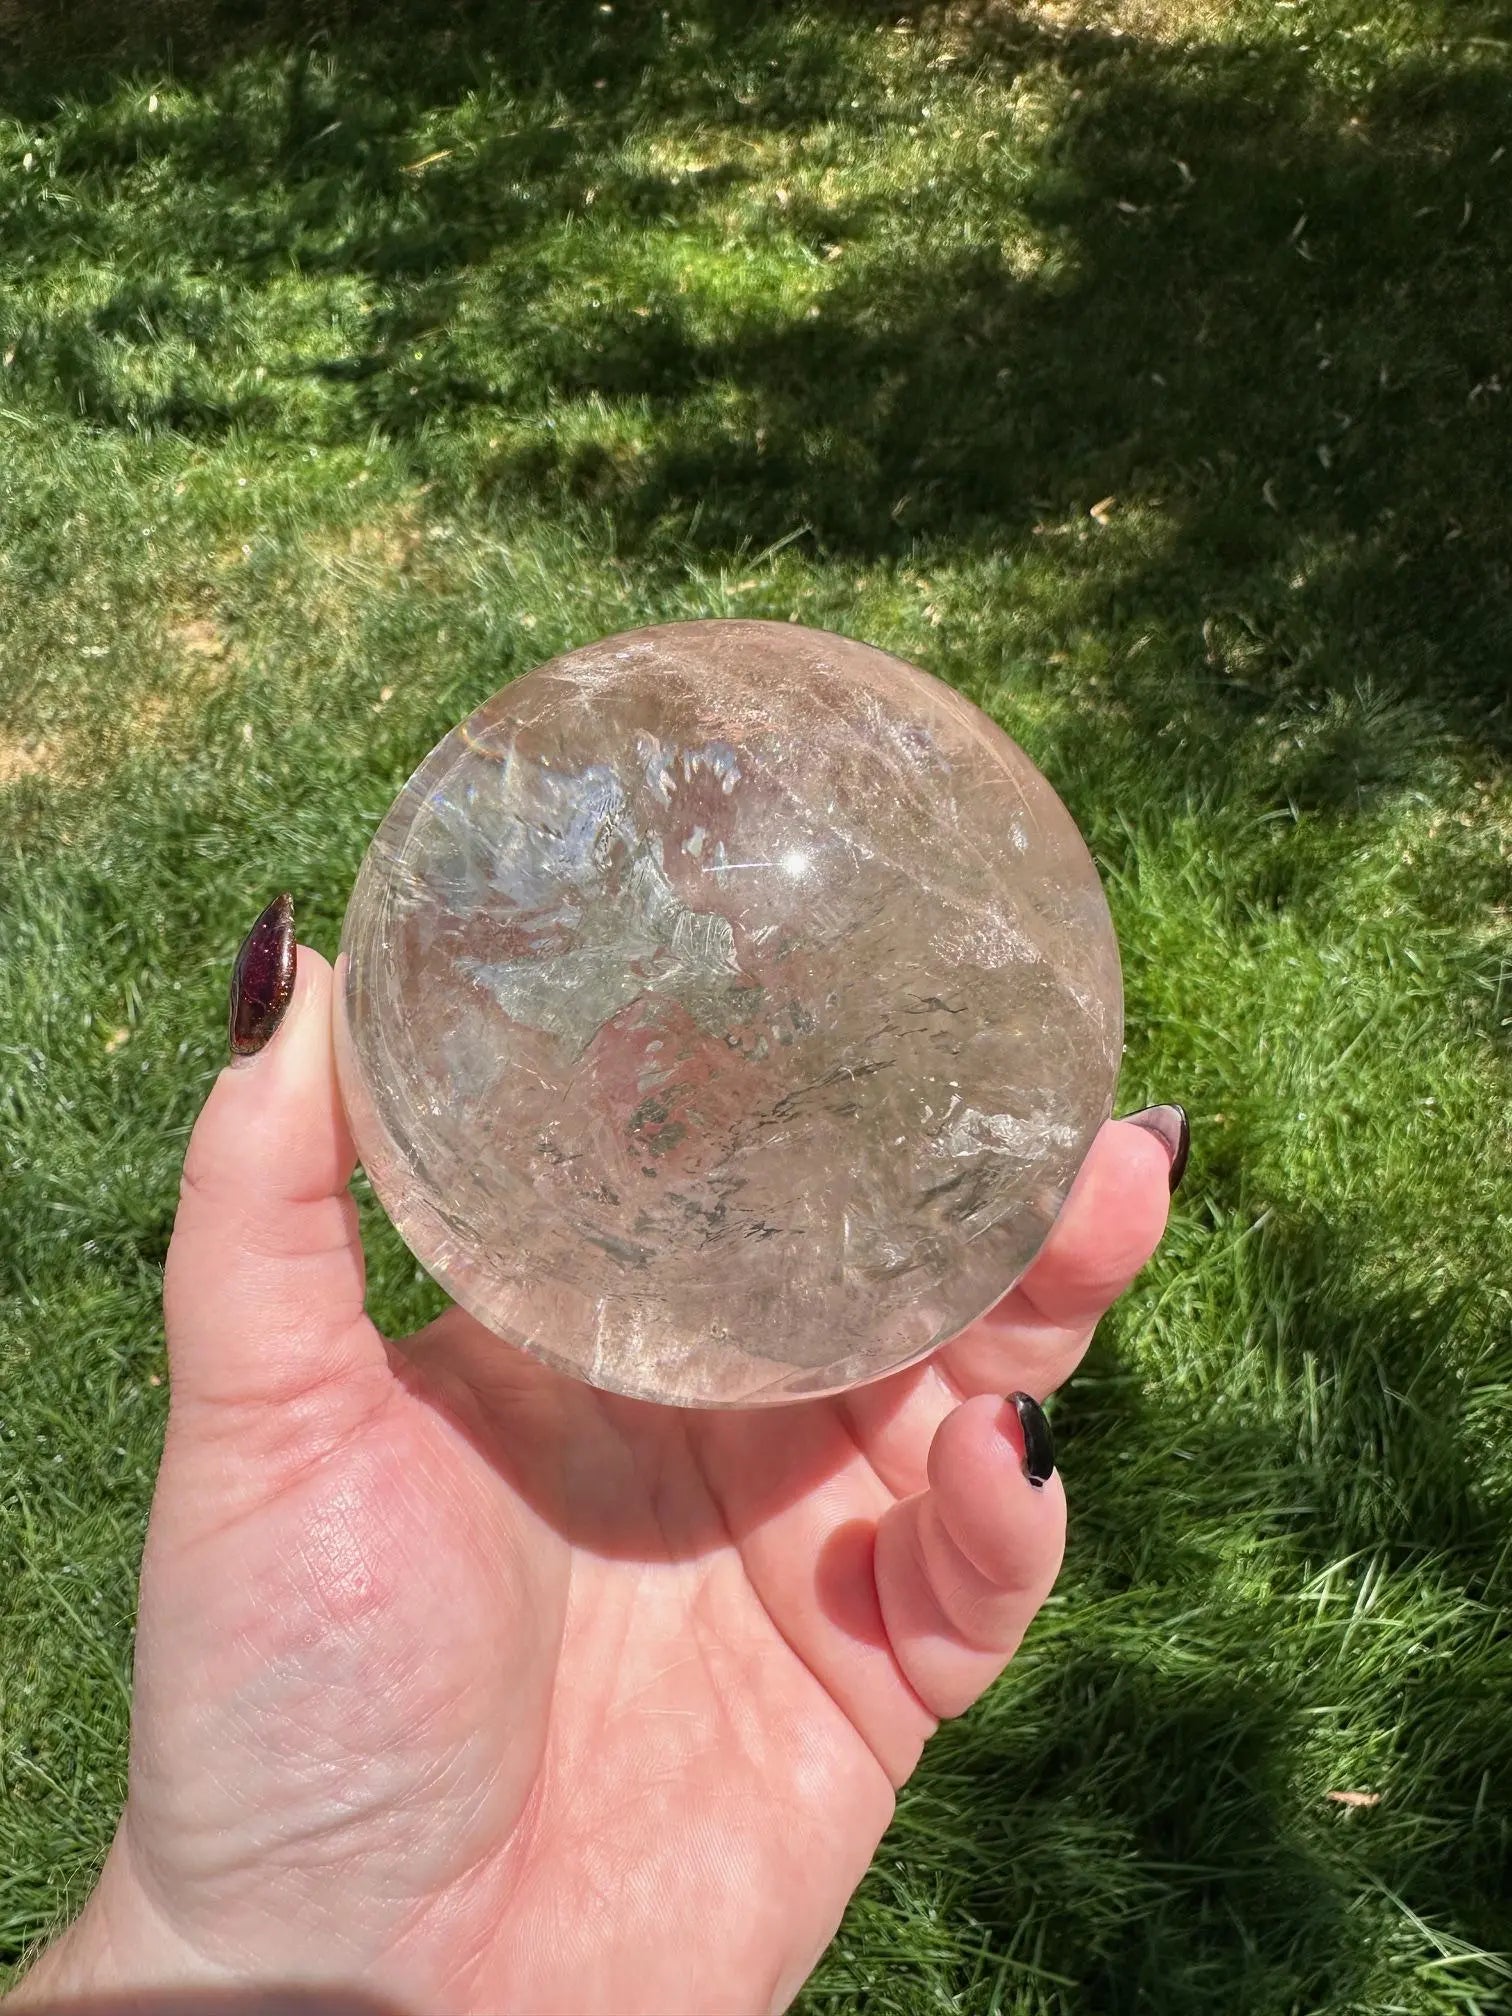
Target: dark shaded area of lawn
x=1284, y=315
x=1286, y=321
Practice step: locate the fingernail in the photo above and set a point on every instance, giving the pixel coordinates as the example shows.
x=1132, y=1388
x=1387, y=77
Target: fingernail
x=1171, y=1129
x=262, y=980
x=1039, y=1439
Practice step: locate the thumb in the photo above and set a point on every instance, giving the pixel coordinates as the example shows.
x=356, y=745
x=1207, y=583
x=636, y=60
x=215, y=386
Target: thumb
x=263, y=1290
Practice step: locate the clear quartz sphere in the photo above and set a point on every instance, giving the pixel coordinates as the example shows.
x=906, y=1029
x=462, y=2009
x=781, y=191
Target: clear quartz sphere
x=726, y=1009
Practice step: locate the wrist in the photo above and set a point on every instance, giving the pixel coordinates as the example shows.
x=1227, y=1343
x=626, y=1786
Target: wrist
x=119, y=1942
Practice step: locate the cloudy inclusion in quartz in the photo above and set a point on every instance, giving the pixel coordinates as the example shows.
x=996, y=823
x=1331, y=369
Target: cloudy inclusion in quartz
x=726, y=1010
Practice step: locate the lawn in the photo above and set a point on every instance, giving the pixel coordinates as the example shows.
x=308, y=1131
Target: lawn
x=1142, y=369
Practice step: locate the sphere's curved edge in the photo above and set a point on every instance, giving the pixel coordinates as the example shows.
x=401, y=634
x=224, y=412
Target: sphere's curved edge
x=525, y=1302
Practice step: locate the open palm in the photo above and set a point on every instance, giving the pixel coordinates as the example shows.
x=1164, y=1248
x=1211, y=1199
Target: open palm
x=494, y=1693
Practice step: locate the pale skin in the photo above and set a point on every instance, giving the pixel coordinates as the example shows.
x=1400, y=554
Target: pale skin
x=465, y=1683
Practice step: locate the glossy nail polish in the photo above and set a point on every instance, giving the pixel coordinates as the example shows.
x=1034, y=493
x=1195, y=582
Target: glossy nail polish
x=1039, y=1440
x=262, y=980
x=1170, y=1127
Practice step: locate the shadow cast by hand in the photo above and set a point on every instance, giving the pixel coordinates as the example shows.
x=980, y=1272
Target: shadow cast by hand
x=630, y=1480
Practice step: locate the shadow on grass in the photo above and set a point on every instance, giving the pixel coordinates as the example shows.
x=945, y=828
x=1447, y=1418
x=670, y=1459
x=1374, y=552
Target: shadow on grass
x=1275, y=326
x=1371, y=1529
x=1228, y=1898
x=1295, y=358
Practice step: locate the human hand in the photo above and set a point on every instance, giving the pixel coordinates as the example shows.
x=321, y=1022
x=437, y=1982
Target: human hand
x=463, y=1681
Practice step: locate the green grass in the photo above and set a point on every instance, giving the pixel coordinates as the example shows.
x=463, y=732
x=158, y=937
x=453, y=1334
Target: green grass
x=357, y=358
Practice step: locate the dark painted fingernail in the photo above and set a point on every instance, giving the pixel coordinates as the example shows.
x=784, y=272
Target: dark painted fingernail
x=262, y=980
x=1171, y=1129
x=1039, y=1440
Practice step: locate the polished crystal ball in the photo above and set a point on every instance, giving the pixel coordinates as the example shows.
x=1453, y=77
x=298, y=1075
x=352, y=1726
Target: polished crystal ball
x=726, y=1010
